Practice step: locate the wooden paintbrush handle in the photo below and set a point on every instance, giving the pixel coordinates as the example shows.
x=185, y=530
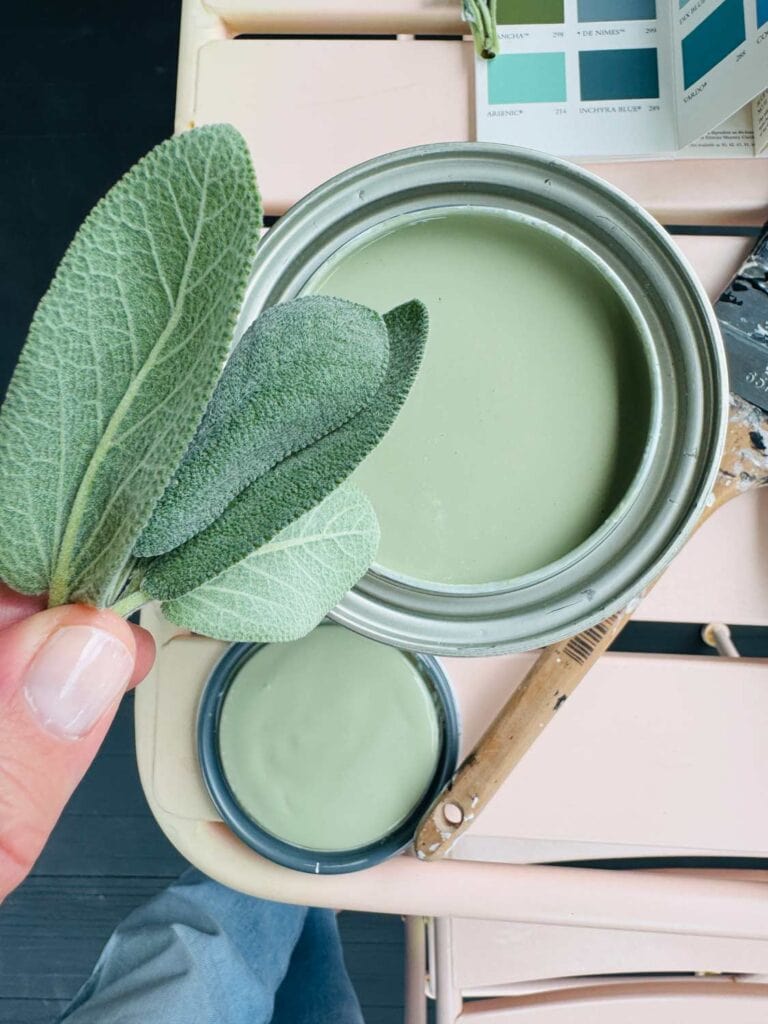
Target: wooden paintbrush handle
x=534, y=703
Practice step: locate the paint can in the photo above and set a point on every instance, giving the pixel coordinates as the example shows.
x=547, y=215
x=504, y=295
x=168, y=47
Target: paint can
x=686, y=374
x=429, y=674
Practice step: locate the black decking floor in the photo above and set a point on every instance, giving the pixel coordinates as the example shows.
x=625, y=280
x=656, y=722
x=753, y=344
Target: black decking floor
x=105, y=857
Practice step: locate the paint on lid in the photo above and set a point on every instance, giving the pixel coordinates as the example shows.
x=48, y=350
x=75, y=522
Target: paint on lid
x=323, y=754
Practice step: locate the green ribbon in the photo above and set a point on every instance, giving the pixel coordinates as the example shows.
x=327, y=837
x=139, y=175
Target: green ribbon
x=481, y=17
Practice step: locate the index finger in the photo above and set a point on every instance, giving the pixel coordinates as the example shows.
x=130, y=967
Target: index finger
x=14, y=607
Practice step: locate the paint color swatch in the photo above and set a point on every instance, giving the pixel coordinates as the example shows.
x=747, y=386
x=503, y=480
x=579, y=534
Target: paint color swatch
x=762, y=13
x=713, y=40
x=616, y=10
x=619, y=74
x=530, y=12
x=527, y=78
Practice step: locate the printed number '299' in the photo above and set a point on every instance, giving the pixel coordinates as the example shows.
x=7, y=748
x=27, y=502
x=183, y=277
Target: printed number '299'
x=761, y=383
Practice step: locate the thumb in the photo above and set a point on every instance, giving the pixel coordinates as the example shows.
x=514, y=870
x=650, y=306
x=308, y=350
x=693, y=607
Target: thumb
x=62, y=674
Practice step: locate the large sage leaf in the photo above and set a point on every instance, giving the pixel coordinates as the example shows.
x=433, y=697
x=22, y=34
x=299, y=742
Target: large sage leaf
x=299, y=482
x=284, y=589
x=122, y=357
x=301, y=370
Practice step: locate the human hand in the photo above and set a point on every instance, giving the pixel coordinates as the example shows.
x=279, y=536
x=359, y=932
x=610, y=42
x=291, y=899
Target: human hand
x=62, y=674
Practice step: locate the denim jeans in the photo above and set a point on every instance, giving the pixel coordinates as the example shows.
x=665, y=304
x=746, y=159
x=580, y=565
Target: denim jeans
x=199, y=953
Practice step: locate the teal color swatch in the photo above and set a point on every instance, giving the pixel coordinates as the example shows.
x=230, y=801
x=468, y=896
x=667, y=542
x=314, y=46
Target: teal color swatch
x=616, y=10
x=619, y=74
x=527, y=78
x=712, y=40
x=762, y=13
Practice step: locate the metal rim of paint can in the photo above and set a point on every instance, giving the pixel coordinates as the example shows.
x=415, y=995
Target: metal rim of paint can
x=687, y=372
x=296, y=857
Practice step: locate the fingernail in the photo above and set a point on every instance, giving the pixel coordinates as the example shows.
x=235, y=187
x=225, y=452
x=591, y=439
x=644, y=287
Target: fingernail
x=75, y=677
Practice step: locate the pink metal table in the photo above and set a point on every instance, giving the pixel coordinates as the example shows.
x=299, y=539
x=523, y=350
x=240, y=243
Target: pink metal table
x=653, y=756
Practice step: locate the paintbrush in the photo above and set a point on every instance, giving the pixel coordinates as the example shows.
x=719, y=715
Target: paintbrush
x=742, y=311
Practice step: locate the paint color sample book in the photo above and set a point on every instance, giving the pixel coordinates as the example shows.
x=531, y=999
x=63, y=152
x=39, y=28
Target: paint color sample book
x=623, y=78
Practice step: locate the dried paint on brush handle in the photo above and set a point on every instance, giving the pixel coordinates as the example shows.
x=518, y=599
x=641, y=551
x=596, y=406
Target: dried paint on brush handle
x=550, y=681
x=561, y=667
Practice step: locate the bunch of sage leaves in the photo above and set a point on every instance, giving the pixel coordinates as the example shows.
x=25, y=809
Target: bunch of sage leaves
x=140, y=460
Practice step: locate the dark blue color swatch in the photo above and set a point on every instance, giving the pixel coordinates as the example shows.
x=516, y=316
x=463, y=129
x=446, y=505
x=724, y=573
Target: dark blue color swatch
x=619, y=74
x=762, y=13
x=711, y=41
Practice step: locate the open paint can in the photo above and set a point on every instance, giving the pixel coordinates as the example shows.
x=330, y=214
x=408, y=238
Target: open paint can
x=324, y=754
x=564, y=432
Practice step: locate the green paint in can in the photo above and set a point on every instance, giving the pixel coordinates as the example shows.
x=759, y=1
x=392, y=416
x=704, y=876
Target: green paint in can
x=531, y=410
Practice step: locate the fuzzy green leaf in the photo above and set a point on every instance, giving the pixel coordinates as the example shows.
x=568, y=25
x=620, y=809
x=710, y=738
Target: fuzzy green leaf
x=121, y=359
x=300, y=371
x=284, y=589
x=299, y=482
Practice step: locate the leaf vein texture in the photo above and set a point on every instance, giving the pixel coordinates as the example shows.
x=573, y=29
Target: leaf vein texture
x=298, y=483
x=276, y=594
x=123, y=353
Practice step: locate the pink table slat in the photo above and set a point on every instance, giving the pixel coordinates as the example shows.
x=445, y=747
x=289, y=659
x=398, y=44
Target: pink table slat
x=500, y=957
x=652, y=756
x=636, y=1002
x=343, y=17
x=312, y=108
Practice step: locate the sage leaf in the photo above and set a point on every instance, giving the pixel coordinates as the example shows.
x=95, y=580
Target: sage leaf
x=301, y=370
x=122, y=357
x=283, y=590
x=298, y=483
